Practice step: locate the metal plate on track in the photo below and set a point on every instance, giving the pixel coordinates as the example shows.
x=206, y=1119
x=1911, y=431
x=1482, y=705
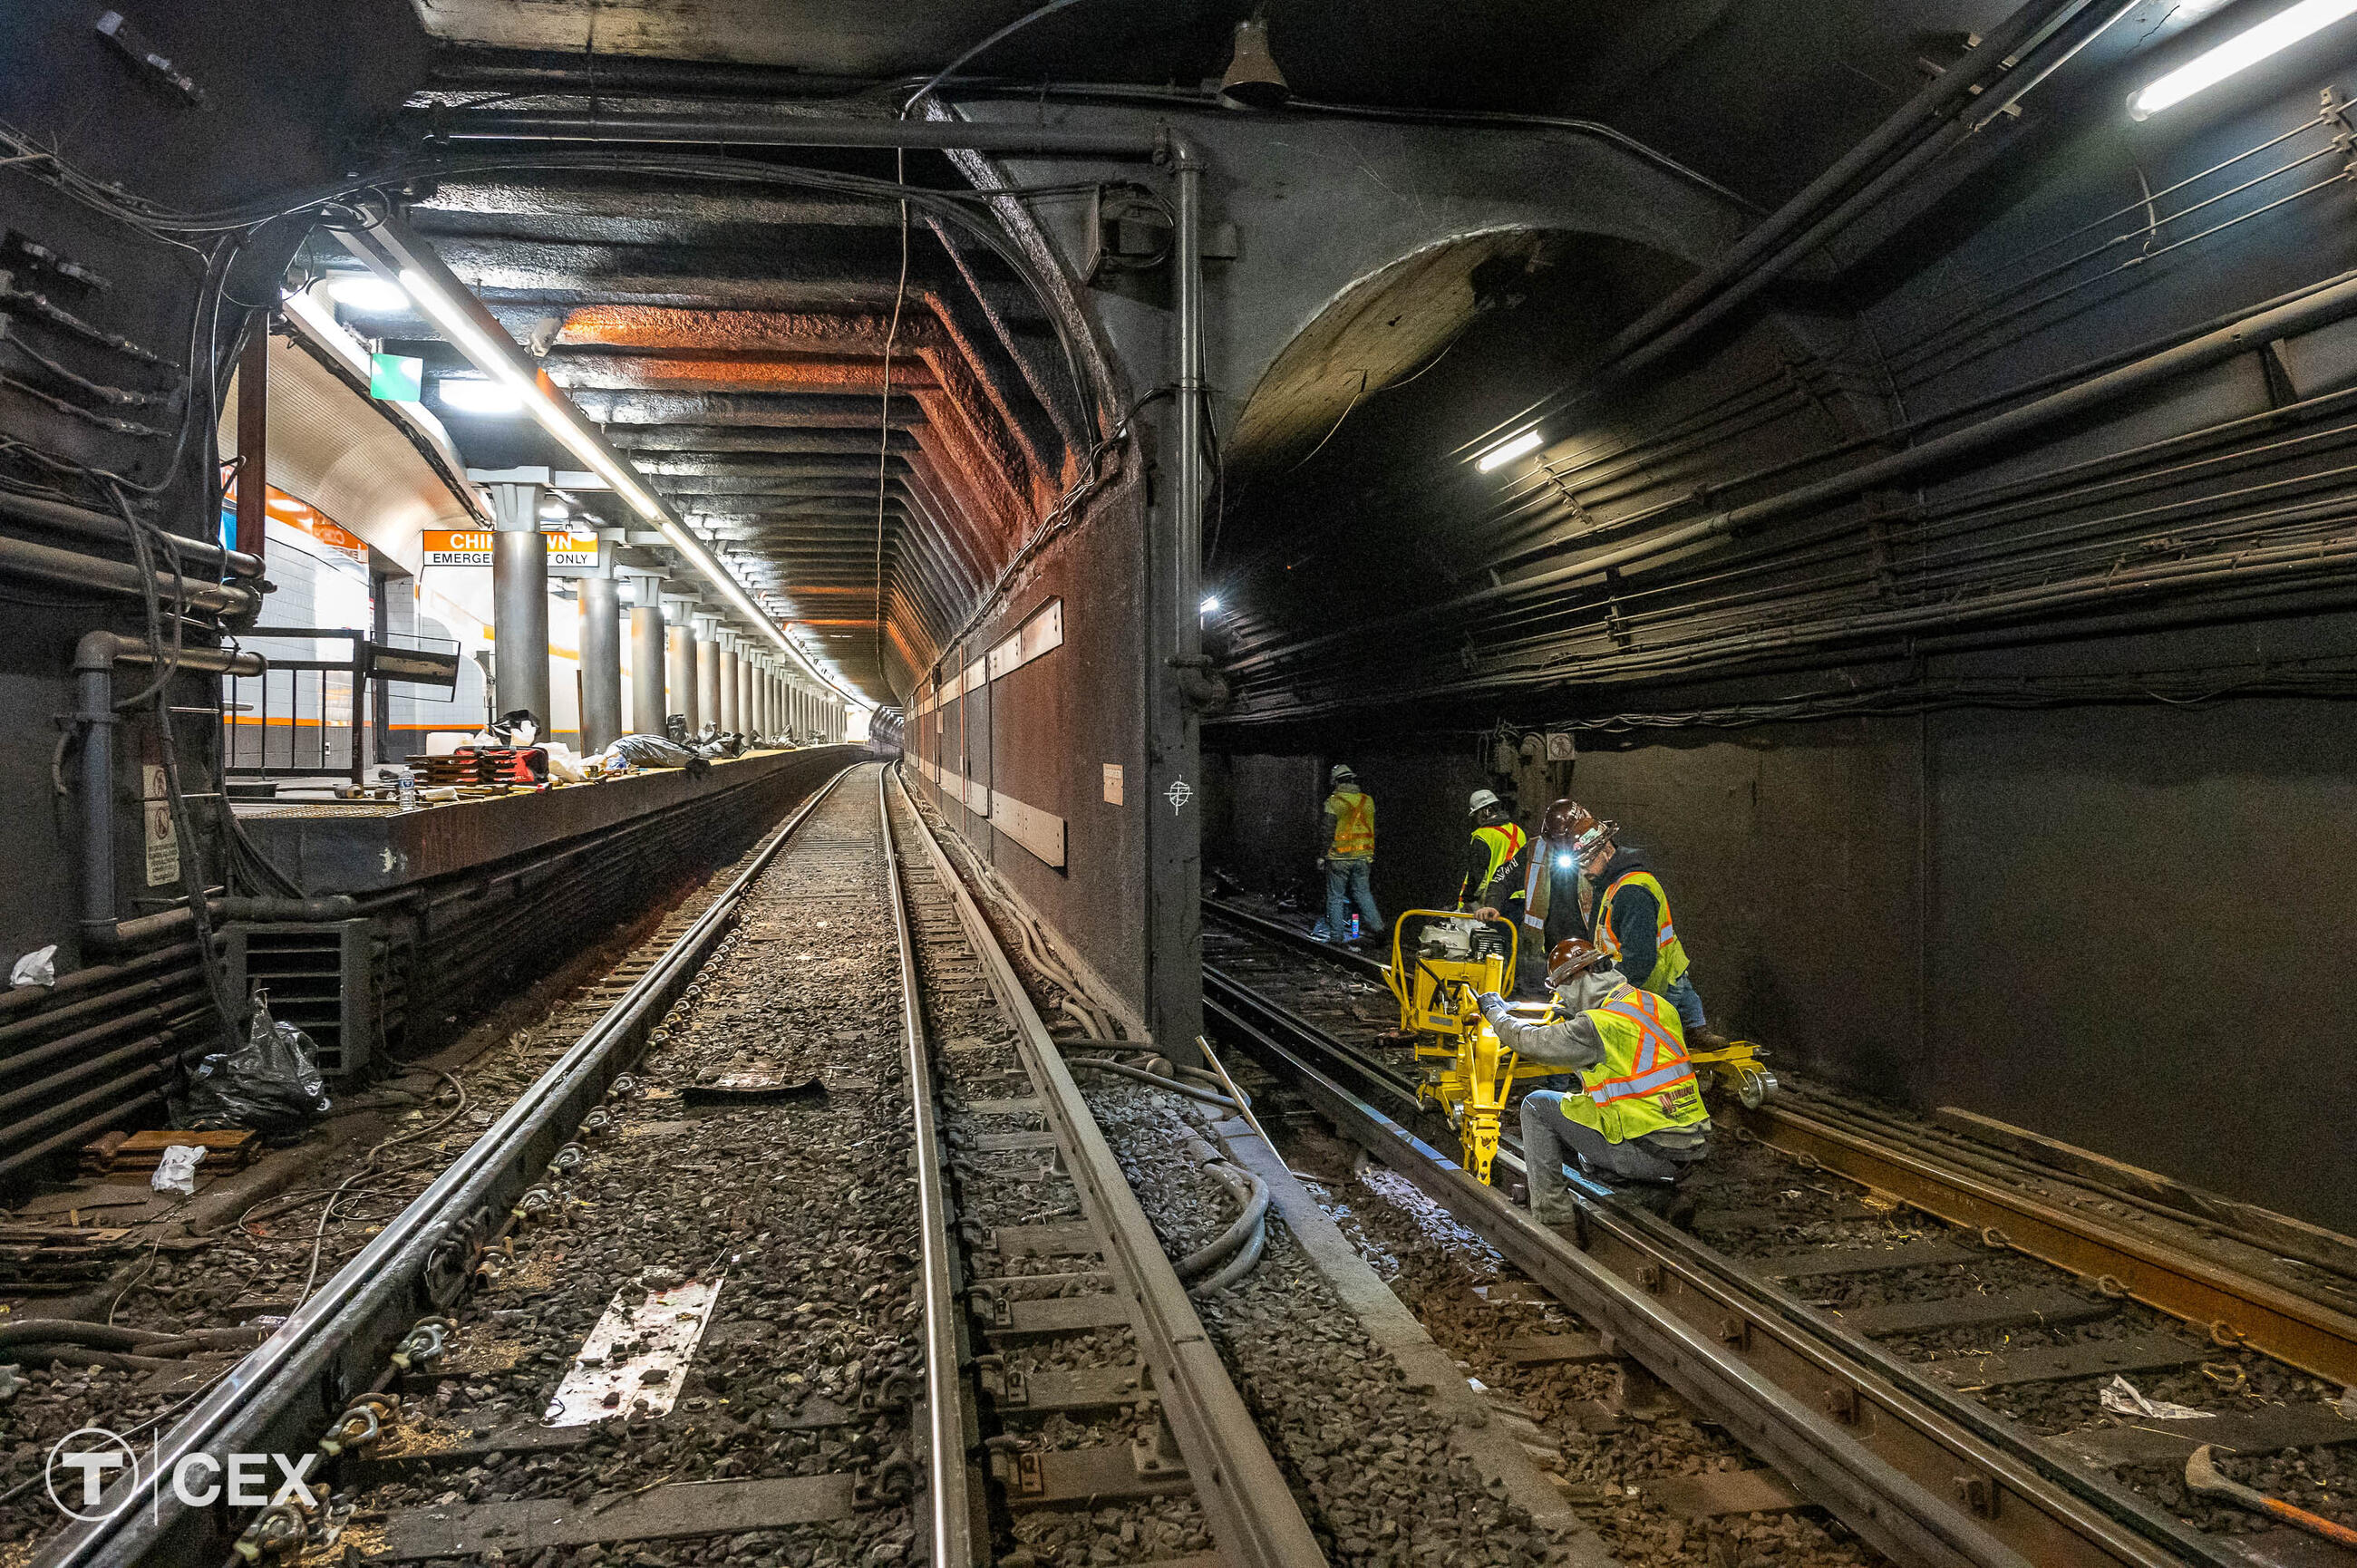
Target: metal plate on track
x=635, y=1360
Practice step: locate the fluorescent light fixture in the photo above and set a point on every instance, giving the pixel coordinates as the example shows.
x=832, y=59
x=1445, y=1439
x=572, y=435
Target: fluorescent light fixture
x=367, y=294
x=501, y=361
x=465, y=394
x=1211, y=605
x=2278, y=32
x=1515, y=447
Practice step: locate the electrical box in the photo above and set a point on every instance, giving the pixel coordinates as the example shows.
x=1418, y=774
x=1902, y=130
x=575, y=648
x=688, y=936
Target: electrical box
x=321, y=977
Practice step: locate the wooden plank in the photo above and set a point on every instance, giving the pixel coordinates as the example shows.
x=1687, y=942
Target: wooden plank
x=1049, y=1478
x=2263, y=1431
x=1021, y=1105
x=1064, y=1315
x=1008, y=1143
x=1072, y=1241
x=1053, y=1388
x=1544, y=1349
x=2044, y=1308
x=1831, y=1262
x=2047, y=1363
x=1719, y=1492
x=518, y=1529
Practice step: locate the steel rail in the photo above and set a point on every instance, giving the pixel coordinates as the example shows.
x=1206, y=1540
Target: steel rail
x=2237, y=1309
x=951, y=1495
x=1922, y=1474
x=283, y=1395
x=1253, y=1519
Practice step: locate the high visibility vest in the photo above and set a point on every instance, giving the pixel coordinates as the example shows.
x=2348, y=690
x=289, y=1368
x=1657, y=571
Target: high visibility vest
x=1503, y=842
x=1354, y=824
x=1670, y=956
x=1644, y=1084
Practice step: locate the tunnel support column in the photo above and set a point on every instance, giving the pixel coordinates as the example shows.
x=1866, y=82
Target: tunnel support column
x=601, y=648
x=679, y=661
x=1178, y=685
x=724, y=659
x=707, y=669
x=520, y=602
x=647, y=650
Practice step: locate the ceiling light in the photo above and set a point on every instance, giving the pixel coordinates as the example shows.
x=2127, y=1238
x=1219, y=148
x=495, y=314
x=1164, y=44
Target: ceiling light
x=1253, y=80
x=465, y=394
x=1514, y=446
x=2279, y=31
x=1211, y=606
x=367, y=294
x=554, y=511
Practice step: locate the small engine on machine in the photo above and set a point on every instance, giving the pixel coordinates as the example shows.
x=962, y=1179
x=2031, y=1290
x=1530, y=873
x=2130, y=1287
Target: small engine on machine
x=1441, y=962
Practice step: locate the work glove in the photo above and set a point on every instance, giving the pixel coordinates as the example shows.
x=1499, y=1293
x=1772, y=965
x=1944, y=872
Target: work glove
x=1493, y=1005
x=1321, y=863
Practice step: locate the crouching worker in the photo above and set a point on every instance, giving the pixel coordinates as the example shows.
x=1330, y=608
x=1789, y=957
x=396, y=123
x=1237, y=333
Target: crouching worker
x=1637, y=1116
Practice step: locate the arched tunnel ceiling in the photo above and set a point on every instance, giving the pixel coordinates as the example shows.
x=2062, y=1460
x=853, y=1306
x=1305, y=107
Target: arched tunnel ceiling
x=1385, y=329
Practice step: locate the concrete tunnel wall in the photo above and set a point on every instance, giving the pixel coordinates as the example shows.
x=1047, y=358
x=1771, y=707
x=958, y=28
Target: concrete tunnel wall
x=2123, y=927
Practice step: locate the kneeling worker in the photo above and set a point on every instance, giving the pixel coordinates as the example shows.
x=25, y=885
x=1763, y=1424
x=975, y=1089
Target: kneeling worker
x=1638, y=1113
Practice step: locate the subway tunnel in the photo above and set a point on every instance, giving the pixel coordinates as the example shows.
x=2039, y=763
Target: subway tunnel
x=768, y=554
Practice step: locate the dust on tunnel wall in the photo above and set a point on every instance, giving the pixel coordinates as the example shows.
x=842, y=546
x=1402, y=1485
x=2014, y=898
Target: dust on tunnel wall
x=2131, y=940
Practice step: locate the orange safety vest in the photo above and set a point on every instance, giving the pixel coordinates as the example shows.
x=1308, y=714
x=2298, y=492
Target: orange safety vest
x=1669, y=964
x=1354, y=824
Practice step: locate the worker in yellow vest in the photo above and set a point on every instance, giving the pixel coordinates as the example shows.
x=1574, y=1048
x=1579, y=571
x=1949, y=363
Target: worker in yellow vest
x=1492, y=885
x=1349, y=858
x=1636, y=1115
x=1630, y=921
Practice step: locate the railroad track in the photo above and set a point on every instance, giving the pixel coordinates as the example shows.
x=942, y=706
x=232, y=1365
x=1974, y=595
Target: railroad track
x=711, y=1277
x=1932, y=1385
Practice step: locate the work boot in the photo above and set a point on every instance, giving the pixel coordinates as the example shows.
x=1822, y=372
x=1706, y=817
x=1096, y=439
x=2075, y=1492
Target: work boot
x=1702, y=1037
x=1551, y=1202
x=1667, y=1199
x=1321, y=932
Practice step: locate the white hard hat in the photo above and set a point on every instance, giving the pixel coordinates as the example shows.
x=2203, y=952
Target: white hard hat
x=1482, y=801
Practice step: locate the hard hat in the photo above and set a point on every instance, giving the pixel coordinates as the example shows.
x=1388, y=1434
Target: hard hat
x=1594, y=835
x=1341, y=770
x=1571, y=957
x=1565, y=821
x=1482, y=801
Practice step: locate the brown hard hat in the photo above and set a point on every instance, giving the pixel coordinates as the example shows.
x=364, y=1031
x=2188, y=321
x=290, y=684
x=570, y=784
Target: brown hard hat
x=1572, y=956
x=1565, y=821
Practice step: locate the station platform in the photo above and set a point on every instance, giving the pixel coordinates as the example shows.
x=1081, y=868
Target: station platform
x=364, y=847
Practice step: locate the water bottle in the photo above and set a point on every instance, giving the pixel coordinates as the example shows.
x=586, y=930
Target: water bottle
x=406, y=789
x=1354, y=925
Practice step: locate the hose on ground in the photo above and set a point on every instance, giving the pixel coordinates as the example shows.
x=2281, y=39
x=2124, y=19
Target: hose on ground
x=1242, y=1263
x=1105, y=1064
x=108, y=1336
x=1254, y=1194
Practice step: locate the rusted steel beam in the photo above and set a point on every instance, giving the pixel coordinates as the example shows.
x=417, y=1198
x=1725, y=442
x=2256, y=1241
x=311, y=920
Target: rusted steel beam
x=2237, y=1309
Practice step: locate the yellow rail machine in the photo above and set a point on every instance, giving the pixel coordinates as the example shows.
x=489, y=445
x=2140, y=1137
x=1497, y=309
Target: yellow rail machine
x=1440, y=962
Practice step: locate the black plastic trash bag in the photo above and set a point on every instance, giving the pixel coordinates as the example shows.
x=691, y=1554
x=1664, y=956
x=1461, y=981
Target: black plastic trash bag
x=654, y=751
x=271, y=1083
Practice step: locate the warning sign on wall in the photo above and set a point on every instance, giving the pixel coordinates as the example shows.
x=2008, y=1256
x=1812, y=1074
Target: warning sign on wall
x=163, y=840
x=472, y=547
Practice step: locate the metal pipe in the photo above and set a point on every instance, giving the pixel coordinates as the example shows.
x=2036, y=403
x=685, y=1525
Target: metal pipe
x=1187, y=583
x=535, y=125
x=42, y=563
x=95, y=657
x=92, y=524
x=1995, y=54
x=601, y=662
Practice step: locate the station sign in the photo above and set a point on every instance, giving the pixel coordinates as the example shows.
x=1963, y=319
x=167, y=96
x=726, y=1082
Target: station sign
x=472, y=547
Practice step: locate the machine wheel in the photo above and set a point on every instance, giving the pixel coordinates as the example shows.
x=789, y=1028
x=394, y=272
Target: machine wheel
x=1754, y=1087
